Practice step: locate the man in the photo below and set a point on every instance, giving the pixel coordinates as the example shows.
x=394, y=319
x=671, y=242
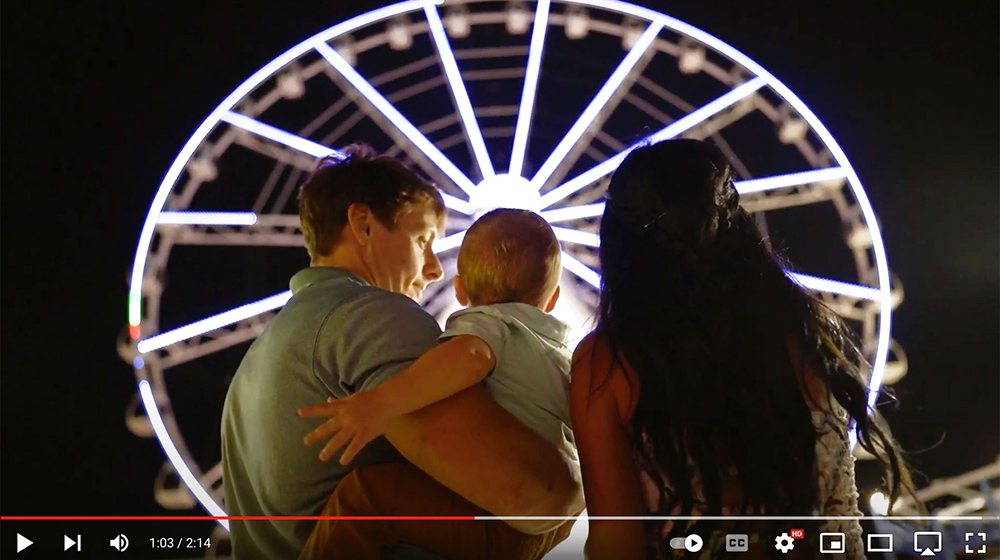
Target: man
x=353, y=322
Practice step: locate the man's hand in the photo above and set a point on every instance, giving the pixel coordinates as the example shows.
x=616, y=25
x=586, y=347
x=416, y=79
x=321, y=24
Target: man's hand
x=354, y=421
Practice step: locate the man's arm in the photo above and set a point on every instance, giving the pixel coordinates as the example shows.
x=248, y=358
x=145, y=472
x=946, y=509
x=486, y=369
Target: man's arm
x=470, y=444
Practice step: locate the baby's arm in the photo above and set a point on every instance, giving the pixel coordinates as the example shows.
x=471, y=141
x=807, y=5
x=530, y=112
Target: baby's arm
x=448, y=368
x=456, y=364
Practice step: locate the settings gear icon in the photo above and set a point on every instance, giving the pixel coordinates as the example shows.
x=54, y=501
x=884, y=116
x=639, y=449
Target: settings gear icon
x=784, y=543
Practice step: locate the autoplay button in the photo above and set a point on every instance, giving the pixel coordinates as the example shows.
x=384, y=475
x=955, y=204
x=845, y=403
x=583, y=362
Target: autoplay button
x=23, y=542
x=693, y=543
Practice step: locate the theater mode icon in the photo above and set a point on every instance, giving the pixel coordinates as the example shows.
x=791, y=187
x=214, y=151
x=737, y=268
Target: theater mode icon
x=879, y=542
x=927, y=543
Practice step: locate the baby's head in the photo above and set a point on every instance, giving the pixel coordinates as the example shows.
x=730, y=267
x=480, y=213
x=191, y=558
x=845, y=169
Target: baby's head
x=509, y=256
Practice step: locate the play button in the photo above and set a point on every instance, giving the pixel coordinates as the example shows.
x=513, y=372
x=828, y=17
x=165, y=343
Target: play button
x=693, y=543
x=22, y=542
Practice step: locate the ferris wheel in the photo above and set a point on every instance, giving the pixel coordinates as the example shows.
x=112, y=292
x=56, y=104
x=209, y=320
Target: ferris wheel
x=503, y=104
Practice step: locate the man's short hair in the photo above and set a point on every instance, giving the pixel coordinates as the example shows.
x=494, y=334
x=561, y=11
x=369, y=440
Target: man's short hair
x=509, y=256
x=380, y=182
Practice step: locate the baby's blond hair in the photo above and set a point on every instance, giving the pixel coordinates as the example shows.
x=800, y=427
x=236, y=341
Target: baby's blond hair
x=509, y=256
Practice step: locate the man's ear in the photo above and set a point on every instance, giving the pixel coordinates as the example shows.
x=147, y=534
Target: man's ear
x=359, y=223
x=551, y=304
x=460, y=294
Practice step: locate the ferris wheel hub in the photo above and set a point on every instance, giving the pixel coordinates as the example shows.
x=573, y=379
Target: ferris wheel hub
x=505, y=191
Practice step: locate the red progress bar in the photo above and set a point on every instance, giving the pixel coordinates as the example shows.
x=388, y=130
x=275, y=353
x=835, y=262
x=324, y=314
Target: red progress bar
x=240, y=518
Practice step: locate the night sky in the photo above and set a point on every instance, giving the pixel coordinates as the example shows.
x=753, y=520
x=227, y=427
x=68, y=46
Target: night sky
x=99, y=98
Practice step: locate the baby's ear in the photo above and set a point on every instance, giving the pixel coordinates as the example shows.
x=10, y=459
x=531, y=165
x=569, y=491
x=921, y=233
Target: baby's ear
x=460, y=294
x=551, y=304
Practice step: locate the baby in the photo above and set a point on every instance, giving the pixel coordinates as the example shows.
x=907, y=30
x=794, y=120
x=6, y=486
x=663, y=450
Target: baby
x=508, y=275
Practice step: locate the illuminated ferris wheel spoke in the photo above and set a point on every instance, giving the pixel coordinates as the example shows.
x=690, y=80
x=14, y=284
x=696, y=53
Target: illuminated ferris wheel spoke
x=209, y=324
x=570, y=213
x=458, y=92
x=457, y=204
x=448, y=243
x=584, y=179
x=673, y=130
x=762, y=184
x=207, y=218
x=596, y=104
x=400, y=143
x=277, y=135
x=584, y=272
x=829, y=286
x=244, y=229
x=395, y=117
x=576, y=236
x=704, y=133
x=215, y=341
x=811, y=283
x=525, y=110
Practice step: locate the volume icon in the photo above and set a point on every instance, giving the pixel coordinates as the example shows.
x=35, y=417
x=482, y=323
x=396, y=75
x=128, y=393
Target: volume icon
x=120, y=543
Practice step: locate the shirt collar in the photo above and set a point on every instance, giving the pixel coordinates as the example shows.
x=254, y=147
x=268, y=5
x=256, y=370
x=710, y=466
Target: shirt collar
x=315, y=274
x=546, y=324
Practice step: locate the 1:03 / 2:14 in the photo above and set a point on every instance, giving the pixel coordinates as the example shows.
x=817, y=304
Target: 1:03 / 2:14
x=182, y=543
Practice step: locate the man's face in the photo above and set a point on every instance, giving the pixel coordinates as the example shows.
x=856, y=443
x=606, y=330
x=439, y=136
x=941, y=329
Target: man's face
x=401, y=259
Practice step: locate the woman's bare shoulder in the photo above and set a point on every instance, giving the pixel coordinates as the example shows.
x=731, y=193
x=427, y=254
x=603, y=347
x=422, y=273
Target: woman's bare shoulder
x=594, y=368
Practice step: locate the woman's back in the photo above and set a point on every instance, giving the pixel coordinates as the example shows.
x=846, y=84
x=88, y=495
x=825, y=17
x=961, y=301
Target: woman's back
x=837, y=495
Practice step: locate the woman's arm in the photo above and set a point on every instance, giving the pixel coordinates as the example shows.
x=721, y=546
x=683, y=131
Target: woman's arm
x=610, y=480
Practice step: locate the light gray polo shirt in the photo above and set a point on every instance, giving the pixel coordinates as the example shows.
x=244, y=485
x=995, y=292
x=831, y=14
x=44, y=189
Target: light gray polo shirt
x=335, y=336
x=531, y=377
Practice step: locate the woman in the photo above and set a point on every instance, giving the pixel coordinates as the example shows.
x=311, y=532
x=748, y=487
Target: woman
x=713, y=385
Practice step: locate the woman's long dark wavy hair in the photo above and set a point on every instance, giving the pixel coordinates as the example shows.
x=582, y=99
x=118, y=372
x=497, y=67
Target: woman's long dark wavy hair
x=701, y=309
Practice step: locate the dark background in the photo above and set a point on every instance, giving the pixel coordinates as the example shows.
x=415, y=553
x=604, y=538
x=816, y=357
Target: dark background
x=100, y=97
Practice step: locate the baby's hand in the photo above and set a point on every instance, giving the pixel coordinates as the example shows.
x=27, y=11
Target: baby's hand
x=354, y=421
